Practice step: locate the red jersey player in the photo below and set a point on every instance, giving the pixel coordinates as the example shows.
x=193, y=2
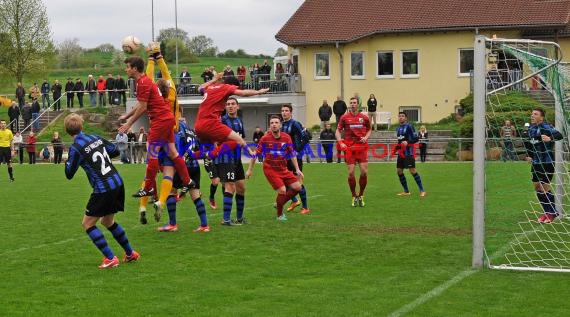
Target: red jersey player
x=162, y=122
x=209, y=128
x=356, y=127
x=276, y=147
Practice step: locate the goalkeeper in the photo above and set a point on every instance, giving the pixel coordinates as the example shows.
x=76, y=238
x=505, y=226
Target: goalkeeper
x=539, y=147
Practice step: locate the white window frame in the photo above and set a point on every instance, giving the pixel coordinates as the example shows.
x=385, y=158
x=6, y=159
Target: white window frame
x=328, y=60
x=378, y=70
x=402, y=75
x=459, y=73
x=417, y=108
x=363, y=59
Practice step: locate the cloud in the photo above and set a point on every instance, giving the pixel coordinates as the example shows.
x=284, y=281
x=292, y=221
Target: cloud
x=247, y=24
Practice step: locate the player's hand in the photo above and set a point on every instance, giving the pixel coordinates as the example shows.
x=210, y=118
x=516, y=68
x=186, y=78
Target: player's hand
x=248, y=174
x=404, y=143
x=300, y=174
x=545, y=138
x=528, y=159
x=363, y=139
x=263, y=90
x=124, y=128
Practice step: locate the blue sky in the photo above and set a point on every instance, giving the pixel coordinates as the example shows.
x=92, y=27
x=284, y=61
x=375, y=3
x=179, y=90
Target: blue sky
x=247, y=24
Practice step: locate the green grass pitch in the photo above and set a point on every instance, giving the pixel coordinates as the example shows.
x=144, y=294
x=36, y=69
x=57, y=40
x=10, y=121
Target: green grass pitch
x=387, y=258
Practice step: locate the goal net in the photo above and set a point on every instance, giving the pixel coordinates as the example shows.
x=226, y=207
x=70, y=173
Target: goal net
x=512, y=218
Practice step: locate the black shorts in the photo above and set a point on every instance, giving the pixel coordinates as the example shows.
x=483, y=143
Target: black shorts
x=231, y=172
x=211, y=169
x=542, y=173
x=406, y=162
x=107, y=203
x=5, y=155
x=292, y=168
x=194, y=173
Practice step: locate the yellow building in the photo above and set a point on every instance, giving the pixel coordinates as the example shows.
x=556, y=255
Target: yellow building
x=413, y=55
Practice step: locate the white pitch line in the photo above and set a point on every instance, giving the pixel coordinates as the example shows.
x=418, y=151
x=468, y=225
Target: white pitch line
x=47, y=245
x=443, y=287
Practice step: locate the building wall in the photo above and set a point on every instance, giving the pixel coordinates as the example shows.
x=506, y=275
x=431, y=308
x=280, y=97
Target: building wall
x=437, y=90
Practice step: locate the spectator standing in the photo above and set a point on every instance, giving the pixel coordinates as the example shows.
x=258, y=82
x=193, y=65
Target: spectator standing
x=14, y=115
x=508, y=132
x=35, y=91
x=327, y=142
x=339, y=108
x=279, y=72
x=57, y=145
x=325, y=114
x=290, y=74
x=140, y=147
x=372, y=104
x=101, y=87
x=228, y=71
x=31, y=147
x=36, y=114
x=241, y=73
x=19, y=146
x=423, y=137
x=110, y=87
x=56, y=89
x=80, y=90
x=132, y=138
x=123, y=146
x=185, y=79
x=265, y=71
x=45, y=90
x=257, y=134
x=26, y=114
x=121, y=87
x=20, y=95
x=207, y=75
x=69, y=88
x=91, y=88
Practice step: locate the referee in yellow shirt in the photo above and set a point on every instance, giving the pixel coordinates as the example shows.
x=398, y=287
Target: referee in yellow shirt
x=6, y=147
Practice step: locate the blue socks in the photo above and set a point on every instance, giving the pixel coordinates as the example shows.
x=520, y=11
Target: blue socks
x=240, y=204
x=171, y=207
x=121, y=237
x=201, y=210
x=100, y=242
x=303, y=196
x=418, y=181
x=404, y=182
x=228, y=204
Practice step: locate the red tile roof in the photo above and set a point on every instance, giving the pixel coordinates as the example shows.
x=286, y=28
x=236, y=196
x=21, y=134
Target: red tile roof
x=330, y=21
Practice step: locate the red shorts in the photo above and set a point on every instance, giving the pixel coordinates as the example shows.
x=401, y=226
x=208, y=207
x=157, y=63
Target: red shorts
x=212, y=131
x=279, y=179
x=161, y=131
x=356, y=153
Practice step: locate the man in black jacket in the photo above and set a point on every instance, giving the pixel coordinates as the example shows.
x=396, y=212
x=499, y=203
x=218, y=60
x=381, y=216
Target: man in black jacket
x=69, y=88
x=56, y=89
x=325, y=114
x=327, y=141
x=110, y=87
x=79, y=88
x=14, y=114
x=339, y=108
x=121, y=88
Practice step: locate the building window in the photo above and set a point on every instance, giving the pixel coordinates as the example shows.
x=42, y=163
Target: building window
x=357, y=65
x=410, y=64
x=465, y=61
x=385, y=65
x=413, y=113
x=322, y=66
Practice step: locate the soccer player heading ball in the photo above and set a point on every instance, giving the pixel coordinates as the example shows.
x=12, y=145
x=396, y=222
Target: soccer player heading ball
x=209, y=128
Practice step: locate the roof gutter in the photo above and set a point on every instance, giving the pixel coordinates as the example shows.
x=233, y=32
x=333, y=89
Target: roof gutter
x=341, y=65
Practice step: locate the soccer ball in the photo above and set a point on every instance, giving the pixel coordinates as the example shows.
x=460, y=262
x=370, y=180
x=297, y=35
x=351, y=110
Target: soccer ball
x=131, y=44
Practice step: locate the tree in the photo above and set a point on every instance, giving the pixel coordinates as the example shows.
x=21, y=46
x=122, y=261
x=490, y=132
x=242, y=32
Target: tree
x=172, y=33
x=202, y=46
x=69, y=53
x=28, y=47
x=184, y=55
x=106, y=48
x=281, y=52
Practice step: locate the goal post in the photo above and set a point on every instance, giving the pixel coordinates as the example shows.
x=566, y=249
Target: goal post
x=512, y=77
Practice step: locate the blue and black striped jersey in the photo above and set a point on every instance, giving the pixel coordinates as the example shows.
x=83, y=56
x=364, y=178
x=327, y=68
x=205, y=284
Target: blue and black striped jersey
x=540, y=151
x=406, y=132
x=226, y=156
x=295, y=131
x=93, y=154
